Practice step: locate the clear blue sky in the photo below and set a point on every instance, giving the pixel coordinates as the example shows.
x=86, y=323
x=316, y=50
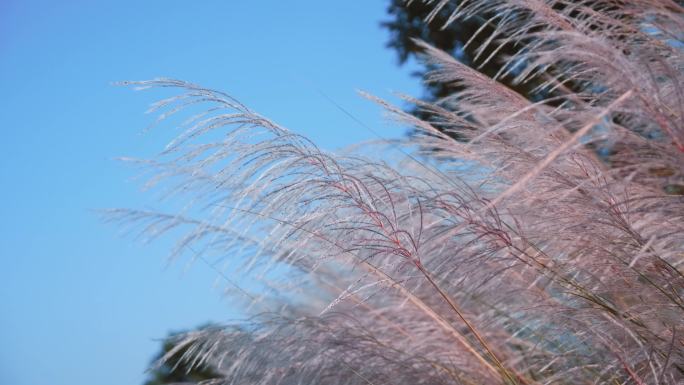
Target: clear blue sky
x=78, y=303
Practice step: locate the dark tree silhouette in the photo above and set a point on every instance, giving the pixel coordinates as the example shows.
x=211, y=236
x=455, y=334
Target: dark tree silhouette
x=408, y=22
x=175, y=369
x=475, y=41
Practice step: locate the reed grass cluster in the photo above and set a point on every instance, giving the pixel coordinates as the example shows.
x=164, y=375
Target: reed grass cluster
x=544, y=246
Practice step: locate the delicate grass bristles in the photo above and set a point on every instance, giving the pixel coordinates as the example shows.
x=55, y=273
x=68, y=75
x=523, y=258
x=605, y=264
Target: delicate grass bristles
x=544, y=246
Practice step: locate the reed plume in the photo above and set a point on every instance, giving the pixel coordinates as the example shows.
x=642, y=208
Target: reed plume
x=544, y=246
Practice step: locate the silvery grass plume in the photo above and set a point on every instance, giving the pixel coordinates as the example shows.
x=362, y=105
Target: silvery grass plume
x=519, y=256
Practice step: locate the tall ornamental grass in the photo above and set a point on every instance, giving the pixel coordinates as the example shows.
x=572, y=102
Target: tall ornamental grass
x=545, y=245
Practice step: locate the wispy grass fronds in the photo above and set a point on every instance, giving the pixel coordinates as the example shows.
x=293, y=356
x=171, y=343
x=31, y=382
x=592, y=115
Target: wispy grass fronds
x=546, y=248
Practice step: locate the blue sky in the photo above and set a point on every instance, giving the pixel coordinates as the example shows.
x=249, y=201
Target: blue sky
x=79, y=303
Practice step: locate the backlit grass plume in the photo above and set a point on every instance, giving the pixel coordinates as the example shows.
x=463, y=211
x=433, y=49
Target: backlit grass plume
x=545, y=246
